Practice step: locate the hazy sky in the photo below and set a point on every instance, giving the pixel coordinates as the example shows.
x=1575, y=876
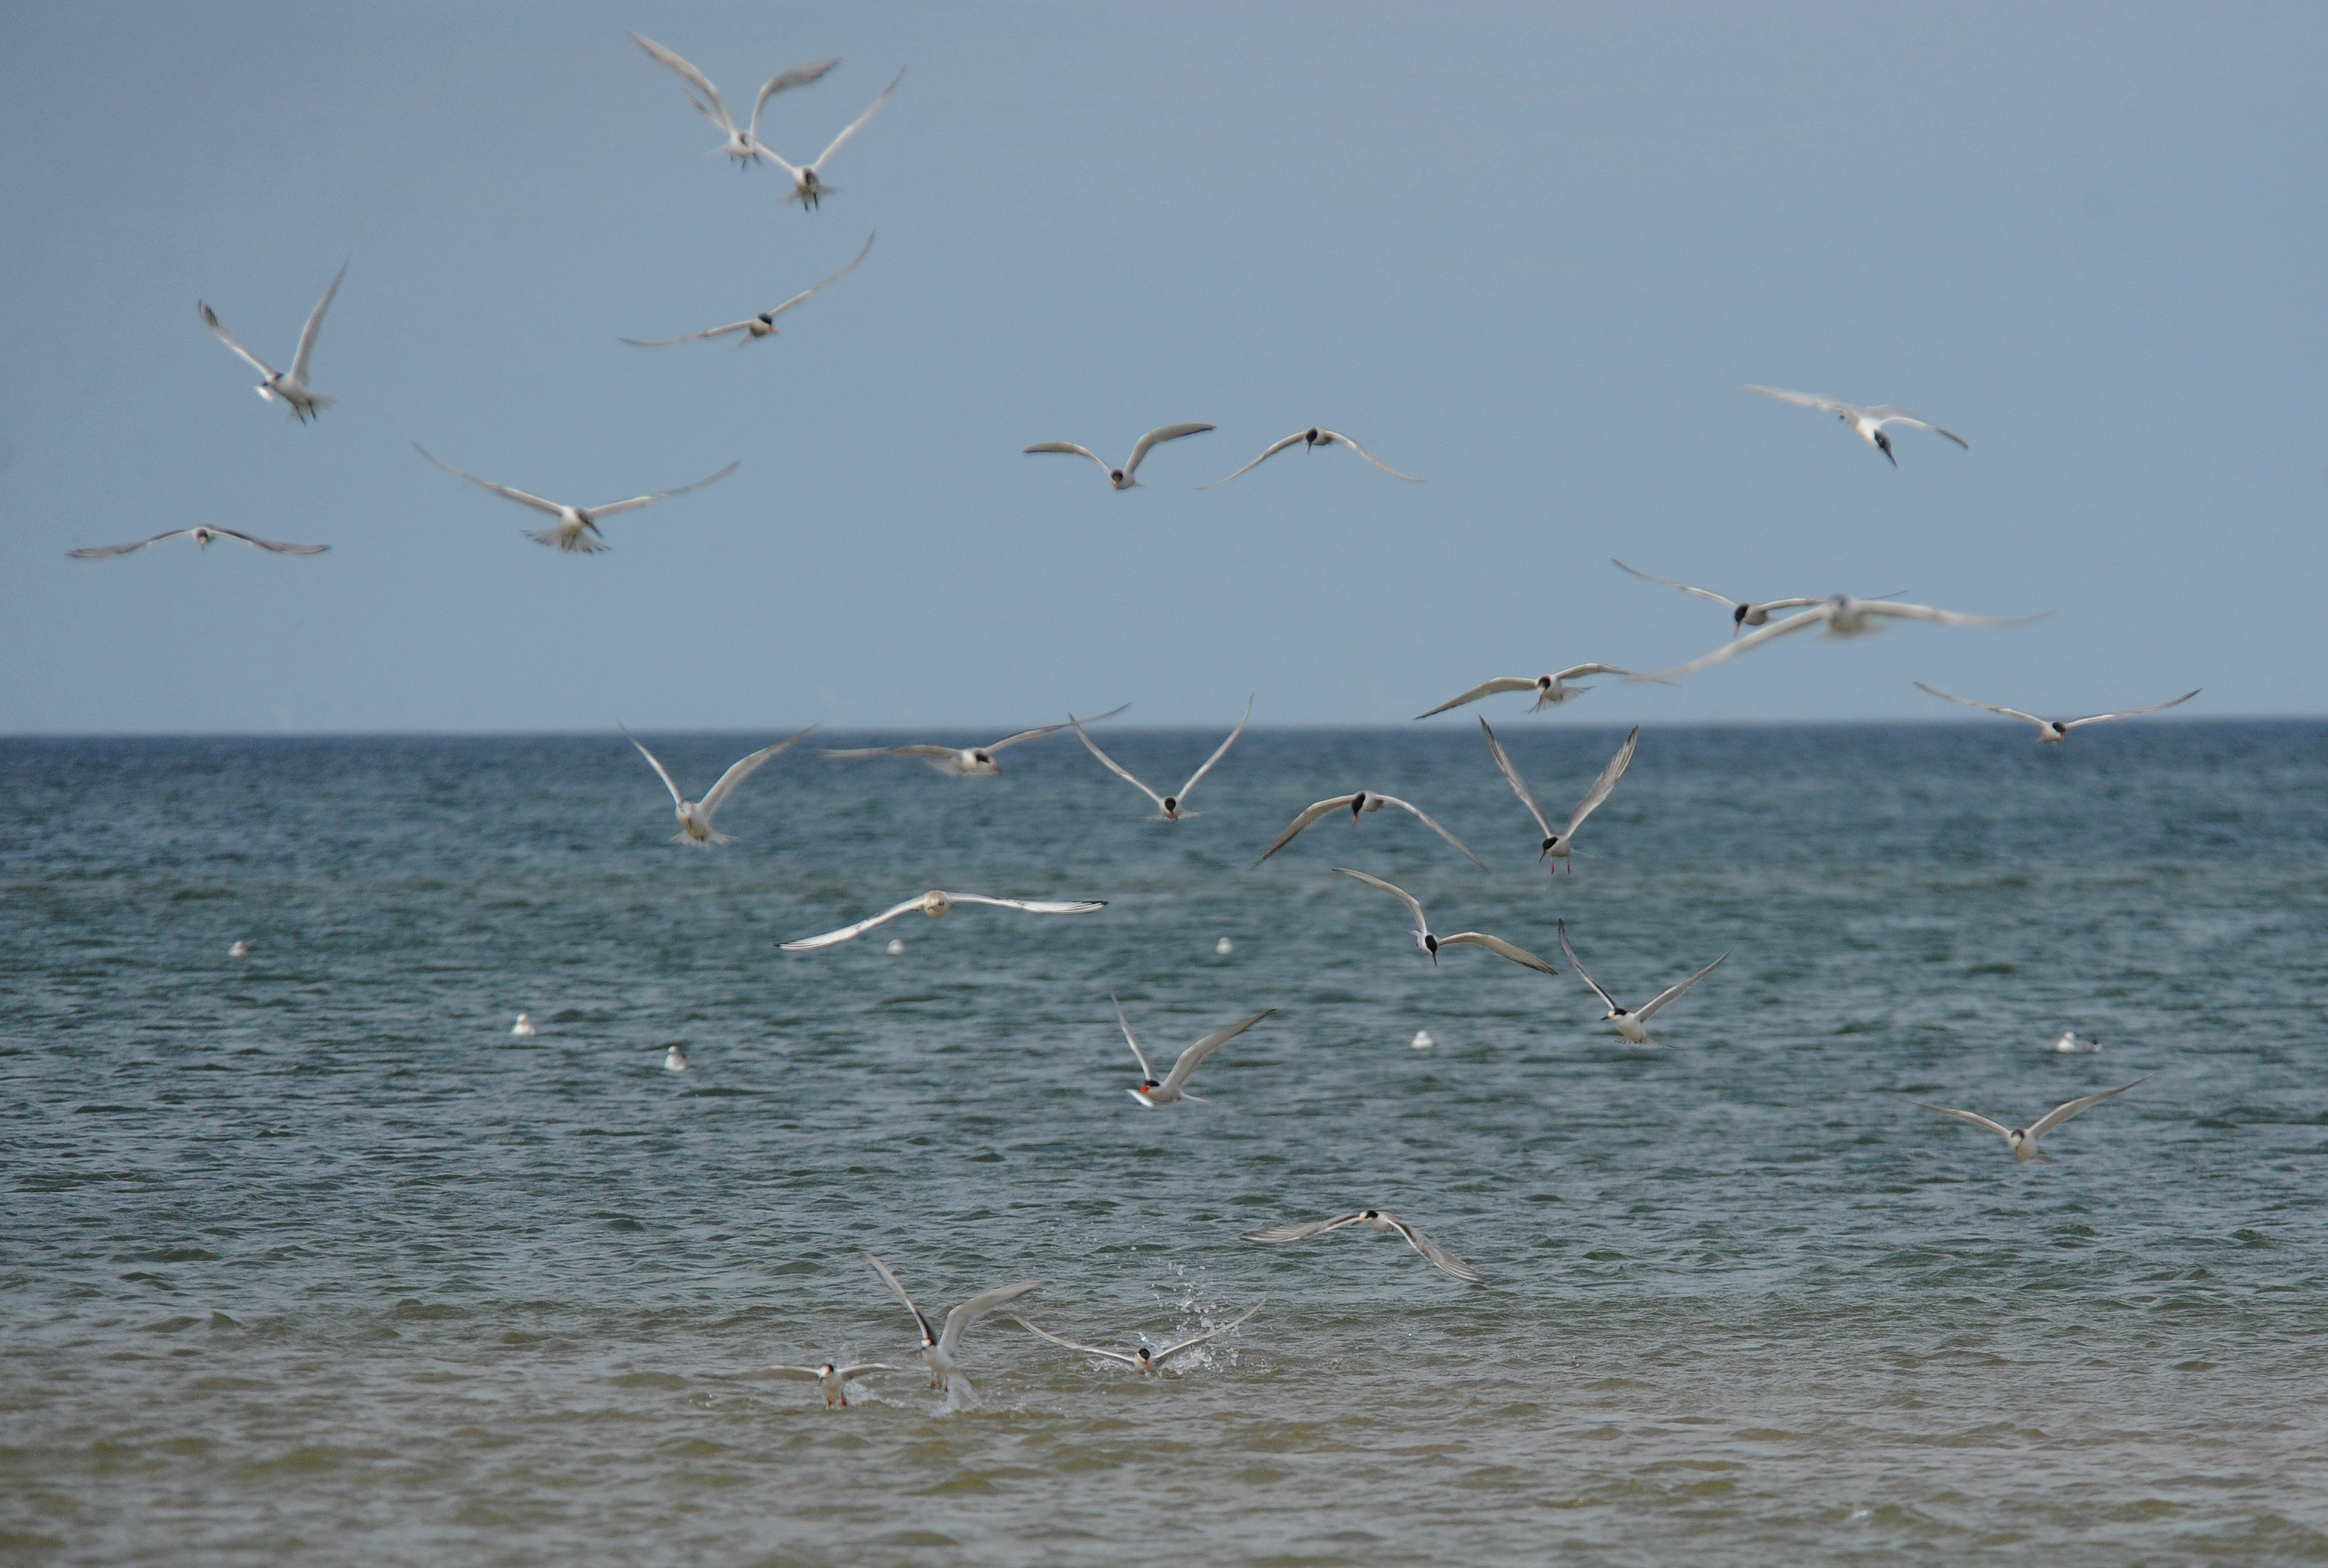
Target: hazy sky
x=1529, y=253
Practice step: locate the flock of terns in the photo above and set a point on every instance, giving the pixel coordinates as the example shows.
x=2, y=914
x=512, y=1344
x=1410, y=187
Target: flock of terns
x=575, y=529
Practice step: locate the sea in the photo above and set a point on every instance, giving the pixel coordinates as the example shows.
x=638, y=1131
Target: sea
x=306, y=1259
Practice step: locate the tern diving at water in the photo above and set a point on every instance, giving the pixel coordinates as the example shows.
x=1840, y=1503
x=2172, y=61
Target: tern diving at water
x=1382, y=1224
x=1867, y=424
x=1433, y=944
x=934, y=904
x=576, y=530
x=1122, y=478
x=290, y=388
x=743, y=145
x=1167, y=807
x=967, y=761
x=831, y=1377
x=1154, y=1091
x=1145, y=1358
x=941, y=1348
x=1632, y=1026
x=695, y=816
x=2022, y=1141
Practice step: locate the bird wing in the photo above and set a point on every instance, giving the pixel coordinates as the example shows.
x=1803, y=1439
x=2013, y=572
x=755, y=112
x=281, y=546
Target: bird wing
x=862, y=252
x=1992, y=708
x=1071, y=1344
x=1511, y=777
x=2062, y=1113
x=1369, y=456
x=1424, y=817
x=1308, y=816
x=635, y=502
x=1578, y=671
x=1999, y=1128
x=959, y=1320
x=519, y=496
x=661, y=771
x=279, y=548
x=1131, y=1040
x=1581, y=973
x=672, y=62
x=741, y=770
x=210, y=320
x=1071, y=448
x=1500, y=949
x=1190, y=787
x=1670, y=991
x=1190, y=1058
x=894, y=752
x=1037, y=734
x=858, y=124
x=1408, y=899
x=1604, y=784
x=846, y=1373
x=784, y=81
x=1884, y=414
x=1439, y=1256
x=1158, y=1357
x=1163, y=433
x=1818, y=400
x=1818, y=615
x=849, y=933
x=1501, y=684
x=1035, y=906
x=891, y=1281
x=306, y=349
x=690, y=337
x=1305, y=1231
x=810, y=1374
x=1111, y=765
x=2121, y=713
x=1899, y=612
x=105, y=551
x=1272, y=450
x=1727, y=603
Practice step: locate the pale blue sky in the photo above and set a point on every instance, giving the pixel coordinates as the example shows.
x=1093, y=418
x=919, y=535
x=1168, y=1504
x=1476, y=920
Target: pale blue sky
x=1530, y=253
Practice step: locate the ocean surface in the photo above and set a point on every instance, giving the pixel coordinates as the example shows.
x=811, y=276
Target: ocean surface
x=304, y=1259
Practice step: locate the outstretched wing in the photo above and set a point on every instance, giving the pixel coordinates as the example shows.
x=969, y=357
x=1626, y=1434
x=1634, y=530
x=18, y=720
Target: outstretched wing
x=1158, y=1357
x=1037, y=734
x=1070, y=448
x=279, y=548
x=1309, y=815
x=1501, y=684
x=1111, y=765
x=847, y=1373
x=635, y=502
x=858, y=124
x=743, y=769
x=784, y=81
x=1992, y=708
x=849, y=933
x=315, y=323
x=210, y=320
x=862, y=252
x=1190, y=1058
x=807, y=1374
x=1818, y=400
x=1439, y=1256
x=1413, y=905
x=1035, y=906
x=1815, y=616
x=106, y=552
x=1369, y=456
x=2122, y=712
x=1424, y=817
x=1163, y=433
x=2062, y=1113
x=1604, y=784
x=1071, y=1344
x=1581, y=973
x=959, y=1320
x=1302, y=1232
x=1727, y=603
x=661, y=771
x=854, y=753
x=1190, y=787
x=1899, y=612
x=891, y=1281
x=1500, y=947
x=1272, y=450
x=1146, y=1072
x=504, y=491
x=1884, y=414
x=1512, y=776
x=702, y=83
x=1999, y=1128
x=688, y=338
x=1670, y=991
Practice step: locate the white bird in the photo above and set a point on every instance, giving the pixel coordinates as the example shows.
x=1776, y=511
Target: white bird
x=1743, y=613
x=1313, y=438
x=524, y=1028
x=1431, y=943
x=2022, y=1141
x=2053, y=732
x=674, y=1059
x=2069, y=1044
x=1376, y=1220
x=695, y=816
x=897, y=946
x=941, y=1348
x=1550, y=690
x=1423, y=1041
x=1224, y=948
x=755, y=328
x=743, y=145
x=1121, y=477
x=969, y=762
x=1560, y=847
x=1842, y=616
x=1144, y=1357
x=1867, y=424
x=934, y=904
x=204, y=535
x=241, y=950
x=301, y=401
x=1168, y=806
x=578, y=527
x=831, y=1377
x=808, y=179
x=1154, y=1091
x=1358, y=806
x=1632, y=1026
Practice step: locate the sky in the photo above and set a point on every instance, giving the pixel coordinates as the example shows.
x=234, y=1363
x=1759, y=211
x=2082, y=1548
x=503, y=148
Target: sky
x=1531, y=254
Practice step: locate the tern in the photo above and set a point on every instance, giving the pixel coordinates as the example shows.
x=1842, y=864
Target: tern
x=578, y=527
x=1144, y=1357
x=934, y=904
x=1312, y=439
x=833, y=1378
x=2022, y=1141
x=1550, y=690
x=1121, y=477
x=241, y=950
x=2069, y=1044
x=695, y=816
x=743, y=145
x=1431, y=943
x=763, y=325
x=524, y=1028
x=1383, y=1223
x=1154, y=1091
x=205, y=536
x=1224, y=948
x=1842, y=616
x=2053, y=732
x=674, y=1059
x=971, y=761
x=302, y=401
x=1867, y=424
x=1168, y=806
x=1743, y=613
x=808, y=179
x=940, y=1348
x=1561, y=846
x=1630, y=1024
x=1358, y=806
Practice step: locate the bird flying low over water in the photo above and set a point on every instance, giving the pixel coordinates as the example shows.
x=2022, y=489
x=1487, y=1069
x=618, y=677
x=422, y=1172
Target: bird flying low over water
x=969, y=762
x=1360, y=804
x=934, y=904
x=1742, y=613
x=1431, y=944
x=1632, y=1026
x=2022, y=1141
x=808, y=179
x=204, y=535
x=1842, y=616
x=1550, y=690
x=290, y=388
x=577, y=530
x=1559, y=845
x=1154, y=1091
x=743, y=145
x=1168, y=806
x=1144, y=1357
x=2053, y=732
x=1867, y=424
x=833, y=1378
x=763, y=325
x=940, y=1348
x=1313, y=438
x=1121, y=477
x=1382, y=1224
x=695, y=816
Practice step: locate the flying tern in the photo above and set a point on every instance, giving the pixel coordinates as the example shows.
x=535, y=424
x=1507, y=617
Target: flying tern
x=1743, y=613
x=1154, y=1091
x=291, y=389
x=1631, y=1025
x=1842, y=616
x=833, y=1378
x=1144, y=1357
x=1312, y=439
x=1360, y=804
x=1867, y=424
x=1559, y=846
x=1431, y=943
x=972, y=762
x=763, y=325
x=578, y=527
x=1121, y=477
x=940, y=1348
x=743, y=145
x=695, y=816
x=2022, y=1141
x=1376, y=1220
x=1168, y=806
x=934, y=904
x=205, y=536
x=808, y=179
x=2053, y=732
x=1550, y=690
